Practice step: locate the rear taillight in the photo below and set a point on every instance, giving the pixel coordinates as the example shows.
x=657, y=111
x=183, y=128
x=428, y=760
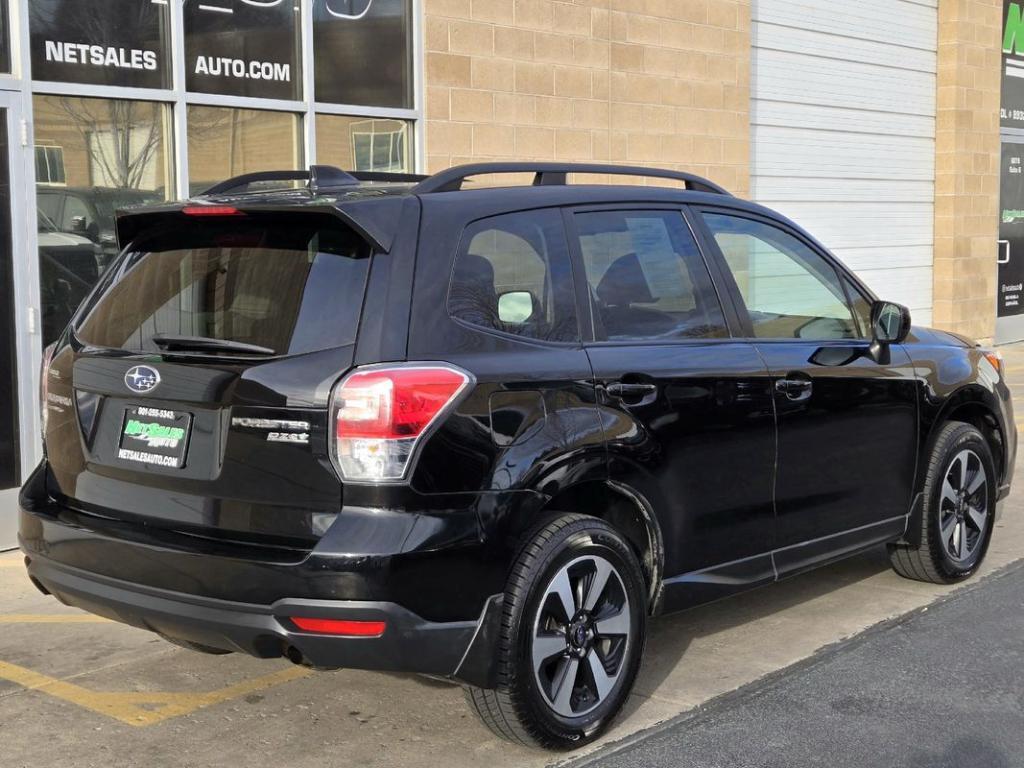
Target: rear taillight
x=44, y=386
x=381, y=414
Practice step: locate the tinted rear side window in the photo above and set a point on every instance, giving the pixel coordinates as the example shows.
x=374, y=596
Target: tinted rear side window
x=292, y=288
x=647, y=277
x=513, y=274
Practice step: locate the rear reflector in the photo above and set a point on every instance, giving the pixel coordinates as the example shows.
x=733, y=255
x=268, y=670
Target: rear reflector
x=380, y=414
x=211, y=210
x=341, y=628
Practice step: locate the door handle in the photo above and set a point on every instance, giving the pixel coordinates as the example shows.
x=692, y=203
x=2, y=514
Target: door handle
x=794, y=389
x=631, y=392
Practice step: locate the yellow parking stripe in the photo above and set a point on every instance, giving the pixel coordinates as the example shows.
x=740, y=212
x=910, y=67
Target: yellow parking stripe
x=141, y=708
x=49, y=618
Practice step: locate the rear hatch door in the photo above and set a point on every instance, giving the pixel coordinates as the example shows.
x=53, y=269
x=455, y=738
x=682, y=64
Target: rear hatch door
x=193, y=393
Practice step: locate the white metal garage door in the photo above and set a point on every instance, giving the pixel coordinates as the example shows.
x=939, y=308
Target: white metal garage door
x=843, y=117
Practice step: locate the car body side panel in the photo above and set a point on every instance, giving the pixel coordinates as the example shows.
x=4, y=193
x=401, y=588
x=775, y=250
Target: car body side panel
x=527, y=430
x=848, y=448
x=953, y=374
x=702, y=450
x=384, y=326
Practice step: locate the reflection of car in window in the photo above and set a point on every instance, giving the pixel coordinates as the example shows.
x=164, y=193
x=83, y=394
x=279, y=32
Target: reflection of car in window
x=68, y=269
x=89, y=211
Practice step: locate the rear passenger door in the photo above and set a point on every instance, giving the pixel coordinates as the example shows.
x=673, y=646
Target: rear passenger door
x=496, y=297
x=847, y=417
x=686, y=408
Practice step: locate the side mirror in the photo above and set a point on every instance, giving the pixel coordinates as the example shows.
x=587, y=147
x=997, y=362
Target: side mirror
x=515, y=307
x=890, y=322
x=78, y=224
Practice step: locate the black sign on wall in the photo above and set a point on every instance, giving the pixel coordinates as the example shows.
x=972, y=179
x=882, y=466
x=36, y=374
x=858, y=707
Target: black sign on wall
x=1011, y=232
x=244, y=48
x=363, y=52
x=101, y=42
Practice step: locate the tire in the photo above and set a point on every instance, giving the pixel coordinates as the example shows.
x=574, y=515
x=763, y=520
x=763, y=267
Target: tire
x=533, y=703
x=197, y=647
x=955, y=527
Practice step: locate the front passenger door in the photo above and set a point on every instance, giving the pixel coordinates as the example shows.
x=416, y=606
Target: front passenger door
x=847, y=420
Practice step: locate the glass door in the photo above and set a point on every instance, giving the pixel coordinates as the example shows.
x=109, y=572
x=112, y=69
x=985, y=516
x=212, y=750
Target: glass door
x=15, y=372
x=1010, y=259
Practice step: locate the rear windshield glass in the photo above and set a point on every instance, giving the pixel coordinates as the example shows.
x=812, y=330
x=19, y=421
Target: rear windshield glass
x=290, y=288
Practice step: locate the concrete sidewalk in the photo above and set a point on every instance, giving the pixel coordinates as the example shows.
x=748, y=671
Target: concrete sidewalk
x=78, y=691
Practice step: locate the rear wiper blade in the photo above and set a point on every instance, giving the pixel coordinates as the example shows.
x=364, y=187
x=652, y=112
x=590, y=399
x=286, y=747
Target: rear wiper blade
x=174, y=343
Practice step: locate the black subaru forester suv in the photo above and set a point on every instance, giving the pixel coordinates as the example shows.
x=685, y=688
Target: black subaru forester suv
x=386, y=422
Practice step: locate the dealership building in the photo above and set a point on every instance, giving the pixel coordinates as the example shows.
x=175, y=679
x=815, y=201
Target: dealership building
x=892, y=129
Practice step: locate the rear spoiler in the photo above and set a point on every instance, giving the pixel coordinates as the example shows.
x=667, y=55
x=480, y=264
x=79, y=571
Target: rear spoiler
x=373, y=220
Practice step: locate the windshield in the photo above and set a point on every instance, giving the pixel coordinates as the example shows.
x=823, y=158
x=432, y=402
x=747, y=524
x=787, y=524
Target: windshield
x=45, y=224
x=291, y=289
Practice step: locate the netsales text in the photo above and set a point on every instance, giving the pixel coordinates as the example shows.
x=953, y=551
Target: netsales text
x=100, y=55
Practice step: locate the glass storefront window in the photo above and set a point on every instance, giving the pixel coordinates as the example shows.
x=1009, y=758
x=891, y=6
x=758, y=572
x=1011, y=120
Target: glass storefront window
x=101, y=42
x=224, y=142
x=5, y=37
x=10, y=472
x=364, y=143
x=244, y=47
x=363, y=52
x=93, y=156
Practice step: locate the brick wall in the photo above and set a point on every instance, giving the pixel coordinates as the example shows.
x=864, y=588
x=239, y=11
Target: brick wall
x=967, y=166
x=650, y=82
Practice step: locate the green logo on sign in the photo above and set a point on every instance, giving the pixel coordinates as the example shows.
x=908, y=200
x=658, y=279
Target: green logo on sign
x=154, y=434
x=1013, y=32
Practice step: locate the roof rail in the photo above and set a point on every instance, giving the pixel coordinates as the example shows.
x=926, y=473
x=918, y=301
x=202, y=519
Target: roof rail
x=546, y=174
x=387, y=176
x=317, y=177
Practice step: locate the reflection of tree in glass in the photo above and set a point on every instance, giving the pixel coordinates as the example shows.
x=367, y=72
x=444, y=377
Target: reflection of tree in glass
x=223, y=142
x=113, y=25
x=121, y=137
x=227, y=130
x=348, y=9
x=218, y=6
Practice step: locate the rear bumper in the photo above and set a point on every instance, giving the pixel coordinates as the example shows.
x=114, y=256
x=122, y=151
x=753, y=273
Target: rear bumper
x=244, y=601
x=408, y=644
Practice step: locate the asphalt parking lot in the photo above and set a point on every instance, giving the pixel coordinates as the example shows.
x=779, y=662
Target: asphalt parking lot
x=938, y=688
x=80, y=691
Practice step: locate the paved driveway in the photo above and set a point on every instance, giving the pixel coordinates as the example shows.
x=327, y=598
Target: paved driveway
x=78, y=691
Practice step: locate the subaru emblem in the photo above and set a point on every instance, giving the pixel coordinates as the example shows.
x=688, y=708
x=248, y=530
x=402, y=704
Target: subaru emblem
x=142, y=379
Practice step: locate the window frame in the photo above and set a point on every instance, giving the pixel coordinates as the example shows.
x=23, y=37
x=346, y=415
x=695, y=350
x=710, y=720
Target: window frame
x=462, y=246
x=58, y=150
x=585, y=306
x=844, y=276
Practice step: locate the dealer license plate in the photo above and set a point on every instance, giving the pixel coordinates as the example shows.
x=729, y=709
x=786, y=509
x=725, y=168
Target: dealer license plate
x=155, y=436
